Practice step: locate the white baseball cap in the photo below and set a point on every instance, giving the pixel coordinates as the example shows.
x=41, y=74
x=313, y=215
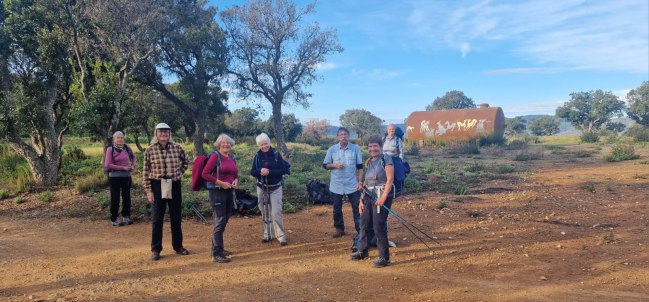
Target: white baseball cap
x=162, y=126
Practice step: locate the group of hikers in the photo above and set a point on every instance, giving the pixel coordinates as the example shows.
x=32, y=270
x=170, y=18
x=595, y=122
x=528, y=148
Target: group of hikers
x=165, y=162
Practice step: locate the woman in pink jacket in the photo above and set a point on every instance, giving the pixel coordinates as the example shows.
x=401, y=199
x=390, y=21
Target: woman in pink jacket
x=119, y=163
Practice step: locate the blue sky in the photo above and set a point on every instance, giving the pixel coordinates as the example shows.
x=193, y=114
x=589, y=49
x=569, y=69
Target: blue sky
x=523, y=56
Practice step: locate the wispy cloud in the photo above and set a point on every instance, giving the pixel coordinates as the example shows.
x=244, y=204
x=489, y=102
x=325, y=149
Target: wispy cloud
x=326, y=66
x=377, y=74
x=607, y=35
x=534, y=70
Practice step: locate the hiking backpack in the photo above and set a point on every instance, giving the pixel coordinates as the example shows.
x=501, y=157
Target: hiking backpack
x=318, y=192
x=287, y=165
x=398, y=133
x=245, y=201
x=401, y=171
x=199, y=164
x=125, y=147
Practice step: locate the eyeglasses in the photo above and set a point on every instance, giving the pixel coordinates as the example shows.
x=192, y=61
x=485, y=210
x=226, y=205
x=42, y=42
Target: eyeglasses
x=343, y=134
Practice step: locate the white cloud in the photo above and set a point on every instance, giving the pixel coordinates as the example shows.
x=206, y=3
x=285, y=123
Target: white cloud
x=377, y=74
x=465, y=49
x=326, y=66
x=606, y=35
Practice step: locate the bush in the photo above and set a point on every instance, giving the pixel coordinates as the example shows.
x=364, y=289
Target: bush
x=21, y=180
x=518, y=145
x=92, y=182
x=475, y=167
x=589, y=137
x=74, y=154
x=104, y=201
x=620, y=153
x=502, y=169
x=45, y=196
x=4, y=193
x=461, y=190
x=412, y=149
x=19, y=200
x=521, y=157
x=287, y=207
x=638, y=132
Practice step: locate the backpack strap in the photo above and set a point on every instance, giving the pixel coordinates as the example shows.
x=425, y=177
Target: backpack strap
x=367, y=162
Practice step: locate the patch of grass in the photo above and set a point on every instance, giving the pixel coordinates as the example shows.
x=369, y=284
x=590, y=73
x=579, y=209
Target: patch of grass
x=461, y=190
x=19, y=200
x=620, y=153
x=442, y=205
x=517, y=145
x=521, y=157
x=644, y=162
x=640, y=176
x=584, y=247
x=589, y=186
x=4, y=193
x=582, y=154
x=608, y=186
x=608, y=236
x=474, y=214
x=287, y=207
x=501, y=168
x=45, y=196
x=103, y=201
x=412, y=185
x=589, y=137
x=320, y=213
x=93, y=182
x=443, y=190
x=475, y=167
x=21, y=179
x=525, y=173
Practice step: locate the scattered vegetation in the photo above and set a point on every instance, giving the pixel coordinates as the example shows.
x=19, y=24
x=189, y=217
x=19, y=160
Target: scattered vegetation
x=589, y=186
x=589, y=137
x=287, y=207
x=474, y=214
x=103, y=200
x=461, y=190
x=93, y=182
x=620, y=153
x=4, y=193
x=442, y=205
x=19, y=200
x=518, y=145
x=45, y=196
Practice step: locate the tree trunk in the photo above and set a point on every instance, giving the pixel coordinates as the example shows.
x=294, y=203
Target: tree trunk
x=199, y=136
x=279, y=132
x=137, y=140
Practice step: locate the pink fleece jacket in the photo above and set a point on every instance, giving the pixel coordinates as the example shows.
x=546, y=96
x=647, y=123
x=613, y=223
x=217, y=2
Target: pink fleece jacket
x=121, y=159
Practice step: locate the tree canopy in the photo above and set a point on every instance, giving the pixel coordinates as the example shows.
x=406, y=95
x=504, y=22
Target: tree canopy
x=588, y=111
x=275, y=56
x=516, y=125
x=639, y=104
x=451, y=100
x=544, y=126
x=362, y=122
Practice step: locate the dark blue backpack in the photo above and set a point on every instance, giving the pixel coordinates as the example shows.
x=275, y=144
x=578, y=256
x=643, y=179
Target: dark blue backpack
x=287, y=166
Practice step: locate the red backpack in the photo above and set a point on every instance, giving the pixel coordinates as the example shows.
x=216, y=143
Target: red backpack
x=199, y=165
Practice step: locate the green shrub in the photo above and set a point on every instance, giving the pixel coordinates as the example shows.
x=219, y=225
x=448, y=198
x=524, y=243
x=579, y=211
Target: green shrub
x=19, y=200
x=638, y=132
x=620, y=153
x=21, y=180
x=582, y=154
x=502, y=169
x=517, y=145
x=521, y=157
x=93, y=182
x=412, y=148
x=442, y=205
x=470, y=148
x=589, y=137
x=474, y=214
x=461, y=190
x=74, y=154
x=476, y=167
x=287, y=207
x=45, y=196
x=4, y=193
x=412, y=185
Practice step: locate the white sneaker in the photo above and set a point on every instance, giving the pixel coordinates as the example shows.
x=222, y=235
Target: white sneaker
x=128, y=221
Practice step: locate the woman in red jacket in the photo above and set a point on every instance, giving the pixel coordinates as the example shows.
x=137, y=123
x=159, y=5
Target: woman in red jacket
x=226, y=176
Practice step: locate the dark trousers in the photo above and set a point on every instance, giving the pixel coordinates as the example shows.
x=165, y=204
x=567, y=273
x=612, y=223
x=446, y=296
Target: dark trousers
x=158, y=209
x=118, y=184
x=371, y=219
x=222, y=202
x=339, y=222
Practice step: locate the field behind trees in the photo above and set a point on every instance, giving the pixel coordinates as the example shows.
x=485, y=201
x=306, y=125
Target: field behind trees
x=546, y=221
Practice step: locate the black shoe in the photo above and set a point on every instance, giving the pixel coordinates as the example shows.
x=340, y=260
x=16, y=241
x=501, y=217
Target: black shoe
x=381, y=262
x=283, y=243
x=359, y=256
x=182, y=251
x=338, y=233
x=220, y=258
x=117, y=222
x=155, y=256
x=226, y=253
x=265, y=240
x=127, y=220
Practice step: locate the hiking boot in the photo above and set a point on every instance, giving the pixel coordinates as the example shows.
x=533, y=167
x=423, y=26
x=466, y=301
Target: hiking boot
x=265, y=240
x=381, y=262
x=338, y=233
x=359, y=256
x=127, y=220
x=220, y=258
x=117, y=222
x=283, y=243
x=155, y=256
x=226, y=253
x=182, y=251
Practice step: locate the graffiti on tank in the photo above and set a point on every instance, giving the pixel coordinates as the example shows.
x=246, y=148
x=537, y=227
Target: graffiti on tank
x=480, y=126
x=424, y=126
x=446, y=127
x=410, y=129
x=440, y=129
x=450, y=126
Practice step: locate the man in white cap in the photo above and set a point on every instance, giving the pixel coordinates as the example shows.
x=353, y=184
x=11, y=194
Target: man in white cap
x=164, y=165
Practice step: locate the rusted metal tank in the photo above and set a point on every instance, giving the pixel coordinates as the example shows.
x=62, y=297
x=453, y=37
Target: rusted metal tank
x=456, y=124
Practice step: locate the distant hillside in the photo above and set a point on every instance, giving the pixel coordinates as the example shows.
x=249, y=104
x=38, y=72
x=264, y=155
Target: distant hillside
x=565, y=128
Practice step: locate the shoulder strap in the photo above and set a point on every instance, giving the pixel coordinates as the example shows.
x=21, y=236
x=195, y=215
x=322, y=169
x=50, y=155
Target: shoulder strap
x=367, y=162
x=112, y=153
x=129, y=151
x=255, y=160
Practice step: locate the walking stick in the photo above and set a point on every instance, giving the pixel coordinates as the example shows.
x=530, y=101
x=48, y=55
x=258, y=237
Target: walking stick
x=198, y=213
x=266, y=210
x=402, y=220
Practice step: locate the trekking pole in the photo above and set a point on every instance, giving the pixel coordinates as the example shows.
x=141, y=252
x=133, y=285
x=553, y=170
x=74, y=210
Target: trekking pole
x=198, y=213
x=267, y=209
x=403, y=221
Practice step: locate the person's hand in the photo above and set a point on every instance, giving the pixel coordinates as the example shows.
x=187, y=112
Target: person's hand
x=338, y=165
x=361, y=207
x=359, y=187
x=150, y=196
x=381, y=201
x=235, y=183
x=264, y=172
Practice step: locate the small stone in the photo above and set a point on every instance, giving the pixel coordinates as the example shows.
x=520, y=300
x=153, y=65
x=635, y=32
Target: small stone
x=405, y=238
x=563, y=233
x=5, y=229
x=559, y=246
x=31, y=297
x=542, y=278
x=395, y=278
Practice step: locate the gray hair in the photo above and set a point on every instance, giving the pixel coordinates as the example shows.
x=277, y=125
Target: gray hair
x=118, y=133
x=223, y=136
x=393, y=126
x=154, y=140
x=263, y=137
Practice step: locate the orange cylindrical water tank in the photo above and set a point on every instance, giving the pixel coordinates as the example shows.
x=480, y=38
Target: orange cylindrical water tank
x=456, y=124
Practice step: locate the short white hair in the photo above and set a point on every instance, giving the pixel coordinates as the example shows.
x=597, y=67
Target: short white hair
x=118, y=133
x=223, y=136
x=263, y=137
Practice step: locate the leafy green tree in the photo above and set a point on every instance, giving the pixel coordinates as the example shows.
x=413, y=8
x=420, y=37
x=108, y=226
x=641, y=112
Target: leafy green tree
x=588, y=111
x=544, y=126
x=639, y=104
x=615, y=126
x=361, y=121
x=34, y=84
x=275, y=57
x=451, y=100
x=516, y=125
x=195, y=52
x=291, y=127
x=316, y=128
x=243, y=122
